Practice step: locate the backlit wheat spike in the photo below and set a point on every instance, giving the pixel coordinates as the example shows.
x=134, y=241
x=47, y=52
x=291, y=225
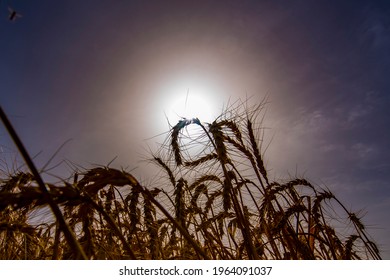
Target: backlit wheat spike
x=240, y=147
x=134, y=216
x=216, y=131
x=167, y=169
x=356, y=221
x=201, y=160
x=317, y=203
x=234, y=128
x=151, y=227
x=348, y=247
x=180, y=201
x=198, y=190
x=204, y=179
x=211, y=199
x=256, y=152
x=294, y=209
x=175, y=138
x=226, y=193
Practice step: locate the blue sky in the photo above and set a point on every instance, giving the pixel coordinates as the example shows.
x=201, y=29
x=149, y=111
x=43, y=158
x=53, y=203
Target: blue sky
x=103, y=73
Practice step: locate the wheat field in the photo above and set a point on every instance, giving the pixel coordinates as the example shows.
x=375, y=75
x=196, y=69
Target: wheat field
x=213, y=200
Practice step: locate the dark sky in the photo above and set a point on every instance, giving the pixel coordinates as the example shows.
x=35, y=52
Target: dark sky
x=107, y=73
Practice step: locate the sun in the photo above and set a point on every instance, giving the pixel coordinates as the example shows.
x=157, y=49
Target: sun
x=190, y=98
x=190, y=105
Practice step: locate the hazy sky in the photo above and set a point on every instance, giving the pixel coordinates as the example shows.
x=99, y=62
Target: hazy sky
x=107, y=73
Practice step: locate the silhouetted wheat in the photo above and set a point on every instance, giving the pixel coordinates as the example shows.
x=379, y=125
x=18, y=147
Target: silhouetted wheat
x=215, y=204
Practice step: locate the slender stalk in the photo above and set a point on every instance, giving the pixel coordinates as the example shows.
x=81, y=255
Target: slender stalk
x=70, y=237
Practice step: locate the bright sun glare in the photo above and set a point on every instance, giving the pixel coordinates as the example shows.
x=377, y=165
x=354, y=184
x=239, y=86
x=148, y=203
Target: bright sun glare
x=190, y=99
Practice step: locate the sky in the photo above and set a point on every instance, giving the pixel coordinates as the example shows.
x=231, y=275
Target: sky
x=104, y=78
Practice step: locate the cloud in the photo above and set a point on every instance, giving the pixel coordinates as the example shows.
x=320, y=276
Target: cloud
x=362, y=151
x=356, y=113
x=376, y=32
